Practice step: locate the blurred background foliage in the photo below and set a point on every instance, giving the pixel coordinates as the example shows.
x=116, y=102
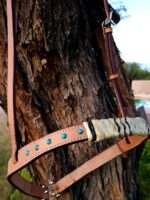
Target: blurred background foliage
x=144, y=173
x=135, y=72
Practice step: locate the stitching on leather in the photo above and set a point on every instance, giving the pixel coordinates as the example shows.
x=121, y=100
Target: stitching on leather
x=39, y=153
x=51, y=135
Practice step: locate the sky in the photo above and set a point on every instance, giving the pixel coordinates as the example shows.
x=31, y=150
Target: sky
x=132, y=34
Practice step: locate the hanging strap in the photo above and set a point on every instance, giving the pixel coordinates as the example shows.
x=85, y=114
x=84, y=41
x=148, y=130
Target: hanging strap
x=34, y=150
x=113, y=75
x=11, y=79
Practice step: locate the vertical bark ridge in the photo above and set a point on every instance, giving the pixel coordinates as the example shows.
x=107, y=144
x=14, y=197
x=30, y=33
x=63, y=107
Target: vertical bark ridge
x=61, y=81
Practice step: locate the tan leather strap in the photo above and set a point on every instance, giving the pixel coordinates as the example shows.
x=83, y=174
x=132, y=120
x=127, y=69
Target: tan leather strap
x=97, y=161
x=45, y=144
x=11, y=77
x=57, y=139
x=89, y=166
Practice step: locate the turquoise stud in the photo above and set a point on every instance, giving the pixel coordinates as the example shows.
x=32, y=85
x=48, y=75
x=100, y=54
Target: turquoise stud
x=27, y=152
x=36, y=147
x=80, y=131
x=63, y=135
x=48, y=141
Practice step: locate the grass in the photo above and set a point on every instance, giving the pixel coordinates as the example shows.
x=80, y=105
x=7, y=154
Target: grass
x=144, y=172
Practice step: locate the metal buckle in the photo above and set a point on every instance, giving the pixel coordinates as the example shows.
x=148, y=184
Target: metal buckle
x=54, y=196
x=50, y=189
x=108, y=20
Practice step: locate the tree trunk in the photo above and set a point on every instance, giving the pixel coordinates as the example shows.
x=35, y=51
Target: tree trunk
x=61, y=81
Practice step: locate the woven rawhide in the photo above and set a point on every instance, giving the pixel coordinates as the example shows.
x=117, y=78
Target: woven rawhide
x=116, y=127
x=104, y=129
x=135, y=130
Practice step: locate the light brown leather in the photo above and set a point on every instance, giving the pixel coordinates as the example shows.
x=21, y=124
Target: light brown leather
x=97, y=161
x=56, y=141
x=108, y=30
x=102, y=158
x=10, y=82
x=113, y=76
x=56, y=138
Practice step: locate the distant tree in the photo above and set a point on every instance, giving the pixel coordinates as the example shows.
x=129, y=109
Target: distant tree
x=61, y=81
x=135, y=72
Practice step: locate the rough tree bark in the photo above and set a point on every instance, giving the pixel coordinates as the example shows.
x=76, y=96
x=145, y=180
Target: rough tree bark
x=62, y=81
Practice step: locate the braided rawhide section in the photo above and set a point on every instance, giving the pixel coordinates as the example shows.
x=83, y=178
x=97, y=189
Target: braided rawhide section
x=117, y=127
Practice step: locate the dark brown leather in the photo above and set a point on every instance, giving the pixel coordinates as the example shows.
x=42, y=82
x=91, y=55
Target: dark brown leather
x=89, y=166
x=112, y=70
x=23, y=159
x=28, y=188
x=106, y=7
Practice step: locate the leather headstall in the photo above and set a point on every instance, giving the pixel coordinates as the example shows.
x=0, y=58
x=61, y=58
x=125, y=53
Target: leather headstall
x=25, y=155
